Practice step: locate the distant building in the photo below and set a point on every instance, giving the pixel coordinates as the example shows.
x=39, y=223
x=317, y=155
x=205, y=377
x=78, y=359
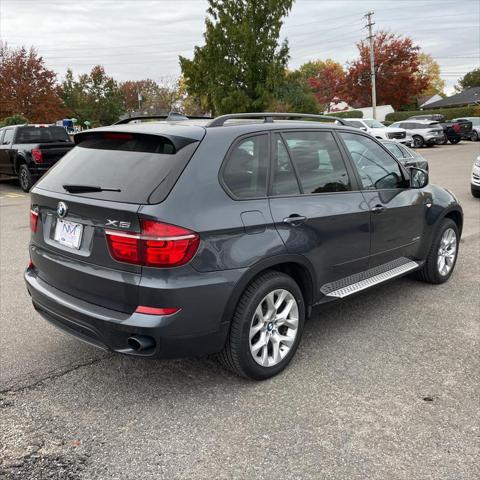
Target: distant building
x=426, y=100
x=341, y=106
x=470, y=96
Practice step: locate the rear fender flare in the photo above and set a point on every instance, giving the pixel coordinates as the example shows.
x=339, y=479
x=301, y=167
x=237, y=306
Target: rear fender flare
x=263, y=265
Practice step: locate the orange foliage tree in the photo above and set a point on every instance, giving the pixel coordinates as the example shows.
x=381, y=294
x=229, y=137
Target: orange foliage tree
x=398, y=73
x=27, y=87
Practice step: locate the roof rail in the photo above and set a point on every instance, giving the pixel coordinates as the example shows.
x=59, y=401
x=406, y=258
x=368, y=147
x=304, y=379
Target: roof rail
x=171, y=117
x=269, y=116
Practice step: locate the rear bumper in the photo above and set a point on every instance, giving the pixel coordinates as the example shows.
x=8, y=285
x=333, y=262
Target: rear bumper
x=110, y=329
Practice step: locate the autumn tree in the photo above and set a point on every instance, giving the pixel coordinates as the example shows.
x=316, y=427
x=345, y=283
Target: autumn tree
x=471, y=79
x=27, y=86
x=326, y=78
x=131, y=89
x=430, y=69
x=95, y=97
x=398, y=77
x=239, y=66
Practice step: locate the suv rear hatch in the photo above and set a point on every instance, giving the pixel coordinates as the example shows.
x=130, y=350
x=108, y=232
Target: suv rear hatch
x=100, y=186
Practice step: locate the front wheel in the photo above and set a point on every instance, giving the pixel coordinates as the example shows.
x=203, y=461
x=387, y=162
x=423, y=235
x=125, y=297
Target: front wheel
x=25, y=178
x=266, y=328
x=454, y=141
x=417, y=141
x=475, y=192
x=442, y=256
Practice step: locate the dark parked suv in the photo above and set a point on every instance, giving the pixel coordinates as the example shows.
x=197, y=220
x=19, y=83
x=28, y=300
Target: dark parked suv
x=219, y=236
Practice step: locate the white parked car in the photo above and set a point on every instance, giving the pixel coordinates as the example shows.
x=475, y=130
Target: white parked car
x=475, y=181
x=423, y=132
x=378, y=130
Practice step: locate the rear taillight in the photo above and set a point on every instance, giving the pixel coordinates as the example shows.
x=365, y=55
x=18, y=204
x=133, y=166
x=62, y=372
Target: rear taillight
x=457, y=128
x=33, y=220
x=158, y=245
x=37, y=155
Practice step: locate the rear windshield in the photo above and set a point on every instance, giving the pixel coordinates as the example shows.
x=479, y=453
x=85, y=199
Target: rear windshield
x=143, y=167
x=41, y=135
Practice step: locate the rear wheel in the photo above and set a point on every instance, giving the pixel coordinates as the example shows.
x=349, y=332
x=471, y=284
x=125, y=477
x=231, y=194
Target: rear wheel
x=454, y=141
x=266, y=328
x=474, y=136
x=25, y=178
x=442, y=256
x=417, y=141
x=443, y=141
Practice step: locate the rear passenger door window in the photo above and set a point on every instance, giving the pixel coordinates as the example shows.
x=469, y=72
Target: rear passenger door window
x=284, y=177
x=377, y=169
x=245, y=171
x=317, y=161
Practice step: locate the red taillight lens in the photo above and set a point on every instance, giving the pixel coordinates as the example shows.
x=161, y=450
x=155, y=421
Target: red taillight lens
x=457, y=128
x=33, y=220
x=156, y=311
x=37, y=155
x=158, y=245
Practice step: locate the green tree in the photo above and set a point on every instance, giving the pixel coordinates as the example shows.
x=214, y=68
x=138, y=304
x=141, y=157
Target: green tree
x=471, y=79
x=239, y=66
x=293, y=95
x=94, y=97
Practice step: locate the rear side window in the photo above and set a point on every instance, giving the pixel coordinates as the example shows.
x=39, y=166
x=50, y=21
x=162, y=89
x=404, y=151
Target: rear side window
x=318, y=162
x=245, y=171
x=143, y=167
x=284, y=178
x=8, y=137
x=42, y=135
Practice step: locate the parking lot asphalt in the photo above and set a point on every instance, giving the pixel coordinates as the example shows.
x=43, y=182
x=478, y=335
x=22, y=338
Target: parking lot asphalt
x=384, y=385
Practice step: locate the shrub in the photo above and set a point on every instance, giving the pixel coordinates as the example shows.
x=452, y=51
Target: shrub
x=13, y=120
x=347, y=114
x=449, y=113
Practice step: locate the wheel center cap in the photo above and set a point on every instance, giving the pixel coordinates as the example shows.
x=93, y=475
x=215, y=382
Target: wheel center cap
x=270, y=326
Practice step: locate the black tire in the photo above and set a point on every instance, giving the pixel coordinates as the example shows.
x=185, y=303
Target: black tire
x=25, y=178
x=430, y=271
x=236, y=355
x=475, y=192
x=474, y=136
x=454, y=141
x=417, y=141
x=443, y=141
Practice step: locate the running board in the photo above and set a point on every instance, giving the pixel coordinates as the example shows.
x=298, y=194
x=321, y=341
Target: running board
x=374, y=276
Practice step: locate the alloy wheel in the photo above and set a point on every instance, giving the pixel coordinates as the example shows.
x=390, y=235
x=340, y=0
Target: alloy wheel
x=273, y=328
x=447, y=252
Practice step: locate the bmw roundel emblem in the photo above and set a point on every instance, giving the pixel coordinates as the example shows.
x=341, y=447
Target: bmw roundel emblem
x=62, y=209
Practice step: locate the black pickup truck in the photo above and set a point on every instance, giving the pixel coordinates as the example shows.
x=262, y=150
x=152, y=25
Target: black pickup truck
x=453, y=130
x=28, y=151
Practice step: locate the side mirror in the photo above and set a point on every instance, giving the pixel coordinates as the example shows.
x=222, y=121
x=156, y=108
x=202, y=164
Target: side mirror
x=418, y=178
x=363, y=128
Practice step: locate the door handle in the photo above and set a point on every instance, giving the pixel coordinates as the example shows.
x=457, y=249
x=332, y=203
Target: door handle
x=378, y=209
x=294, y=220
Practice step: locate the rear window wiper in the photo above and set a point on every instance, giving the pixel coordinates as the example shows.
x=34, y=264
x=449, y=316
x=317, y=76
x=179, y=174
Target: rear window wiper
x=88, y=188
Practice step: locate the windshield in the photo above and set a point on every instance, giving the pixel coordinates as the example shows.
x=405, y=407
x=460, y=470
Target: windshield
x=41, y=135
x=373, y=124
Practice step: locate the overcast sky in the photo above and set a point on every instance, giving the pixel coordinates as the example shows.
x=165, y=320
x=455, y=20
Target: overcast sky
x=136, y=39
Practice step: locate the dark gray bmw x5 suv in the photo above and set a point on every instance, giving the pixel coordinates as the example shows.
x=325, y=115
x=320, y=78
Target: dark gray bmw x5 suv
x=191, y=237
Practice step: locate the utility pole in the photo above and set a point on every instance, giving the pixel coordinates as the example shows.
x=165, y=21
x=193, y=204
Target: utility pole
x=369, y=25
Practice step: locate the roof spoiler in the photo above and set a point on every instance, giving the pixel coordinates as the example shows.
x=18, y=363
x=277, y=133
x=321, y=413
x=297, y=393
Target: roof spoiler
x=269, y=116
x=171, y=117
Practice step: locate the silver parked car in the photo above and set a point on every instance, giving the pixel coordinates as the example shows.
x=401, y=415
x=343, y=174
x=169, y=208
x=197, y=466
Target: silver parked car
x=409, y=157
x=423, y=132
